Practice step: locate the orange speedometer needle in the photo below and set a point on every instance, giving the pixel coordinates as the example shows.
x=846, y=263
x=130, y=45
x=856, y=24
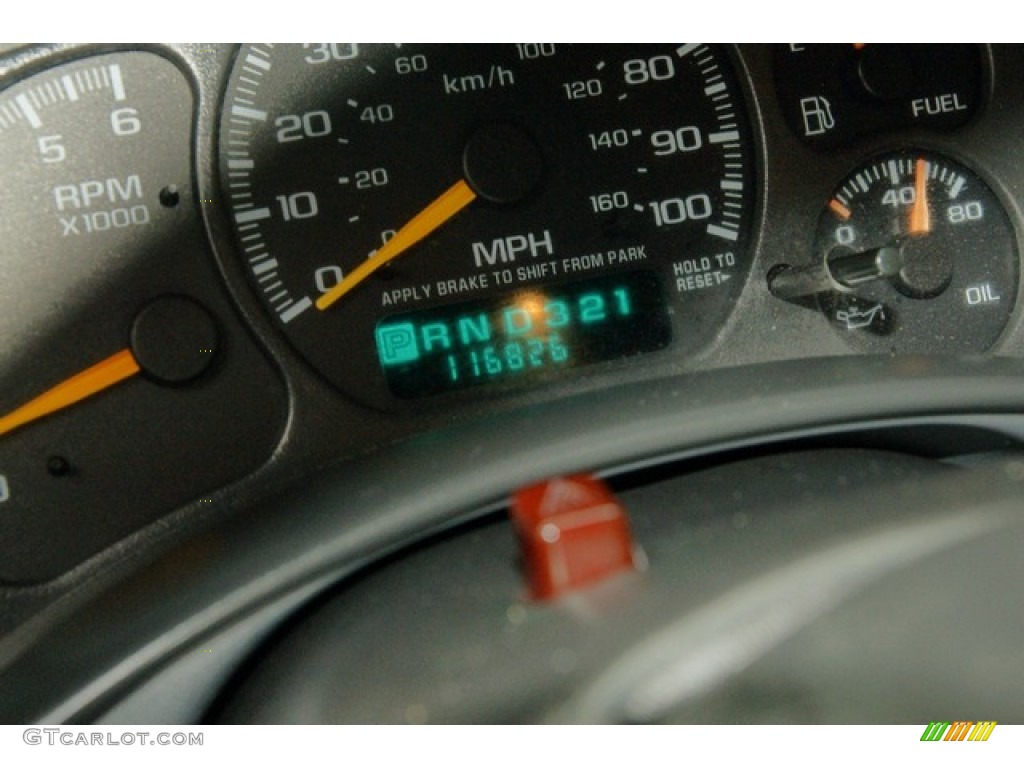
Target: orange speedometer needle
x=91, y=381
x=920, y=220
x=453, y=200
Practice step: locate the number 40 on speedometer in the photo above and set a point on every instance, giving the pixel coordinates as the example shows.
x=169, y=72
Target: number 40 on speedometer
x=365, y=180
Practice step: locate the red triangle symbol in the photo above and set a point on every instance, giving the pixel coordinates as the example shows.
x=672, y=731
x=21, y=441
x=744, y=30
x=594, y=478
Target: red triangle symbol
x=562, y=495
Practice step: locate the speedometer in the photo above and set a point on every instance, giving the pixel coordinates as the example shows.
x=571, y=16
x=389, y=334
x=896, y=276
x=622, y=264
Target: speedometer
x=421, y=220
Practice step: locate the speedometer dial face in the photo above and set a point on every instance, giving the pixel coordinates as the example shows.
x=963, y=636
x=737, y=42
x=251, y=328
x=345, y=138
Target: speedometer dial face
x=541, y=209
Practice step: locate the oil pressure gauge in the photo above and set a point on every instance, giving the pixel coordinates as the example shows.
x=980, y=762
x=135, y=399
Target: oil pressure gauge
x=913, y=253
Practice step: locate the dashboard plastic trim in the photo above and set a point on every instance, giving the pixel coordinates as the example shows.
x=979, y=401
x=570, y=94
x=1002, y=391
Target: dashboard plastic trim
x=356, y=513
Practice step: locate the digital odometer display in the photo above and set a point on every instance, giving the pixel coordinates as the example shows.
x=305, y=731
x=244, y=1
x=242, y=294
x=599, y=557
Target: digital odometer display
x=521, y=336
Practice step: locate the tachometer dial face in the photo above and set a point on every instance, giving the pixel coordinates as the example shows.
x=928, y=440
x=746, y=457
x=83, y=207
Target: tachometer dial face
x=422, y=220
x=957, y=280
x=128, y=386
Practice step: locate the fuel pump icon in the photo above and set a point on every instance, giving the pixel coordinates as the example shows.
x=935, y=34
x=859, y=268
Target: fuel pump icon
x=817, y=114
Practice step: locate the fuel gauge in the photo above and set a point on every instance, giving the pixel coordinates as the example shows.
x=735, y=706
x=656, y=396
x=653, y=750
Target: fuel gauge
x=835, y=95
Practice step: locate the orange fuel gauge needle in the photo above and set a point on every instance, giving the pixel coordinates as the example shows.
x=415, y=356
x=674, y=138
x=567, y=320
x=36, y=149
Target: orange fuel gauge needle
x=451, y=201
x=920, y=219
x=91, y=381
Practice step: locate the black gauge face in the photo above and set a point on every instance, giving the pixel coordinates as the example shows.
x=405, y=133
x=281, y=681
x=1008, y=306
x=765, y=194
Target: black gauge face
x=834, y=95
x=957, y=283
x=526, y=173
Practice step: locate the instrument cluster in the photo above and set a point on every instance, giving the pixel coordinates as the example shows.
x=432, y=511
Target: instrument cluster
x=226, y=267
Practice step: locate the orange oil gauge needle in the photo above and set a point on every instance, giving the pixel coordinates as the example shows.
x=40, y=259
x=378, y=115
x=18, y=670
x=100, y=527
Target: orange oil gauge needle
x=453, y=200
x=89, y=382
x=920, y=220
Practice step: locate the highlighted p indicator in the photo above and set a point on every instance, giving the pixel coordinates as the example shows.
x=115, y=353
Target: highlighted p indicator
x=396, y=344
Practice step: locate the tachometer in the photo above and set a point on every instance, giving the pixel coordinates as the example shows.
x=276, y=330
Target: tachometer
x=426, y=219
x=128, y=386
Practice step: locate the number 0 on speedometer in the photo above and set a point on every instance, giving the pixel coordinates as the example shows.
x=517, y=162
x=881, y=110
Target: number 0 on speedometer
x=432, y=219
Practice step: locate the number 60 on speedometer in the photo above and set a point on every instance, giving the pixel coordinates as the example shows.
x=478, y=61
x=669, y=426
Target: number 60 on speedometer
x=375, y=188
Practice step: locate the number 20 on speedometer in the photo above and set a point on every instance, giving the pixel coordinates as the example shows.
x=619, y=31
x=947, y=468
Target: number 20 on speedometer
x=442, y=187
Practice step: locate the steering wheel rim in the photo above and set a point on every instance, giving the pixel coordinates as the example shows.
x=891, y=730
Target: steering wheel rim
x=246, y=573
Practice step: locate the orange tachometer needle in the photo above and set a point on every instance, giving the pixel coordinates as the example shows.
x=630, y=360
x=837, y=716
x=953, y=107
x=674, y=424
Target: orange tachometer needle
x=453, y=200
x=89, y=382
x=920, y=220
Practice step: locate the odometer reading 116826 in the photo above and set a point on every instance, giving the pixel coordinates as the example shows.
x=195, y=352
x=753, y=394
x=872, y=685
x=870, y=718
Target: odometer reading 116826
x=386, y=192
x=523, y=335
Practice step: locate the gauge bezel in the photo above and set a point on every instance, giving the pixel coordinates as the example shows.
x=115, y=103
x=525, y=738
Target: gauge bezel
x=365, y=385
x=894, y=344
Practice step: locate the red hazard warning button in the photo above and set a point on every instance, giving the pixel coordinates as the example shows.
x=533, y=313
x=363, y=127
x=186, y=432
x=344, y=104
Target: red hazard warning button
x=573, y=532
